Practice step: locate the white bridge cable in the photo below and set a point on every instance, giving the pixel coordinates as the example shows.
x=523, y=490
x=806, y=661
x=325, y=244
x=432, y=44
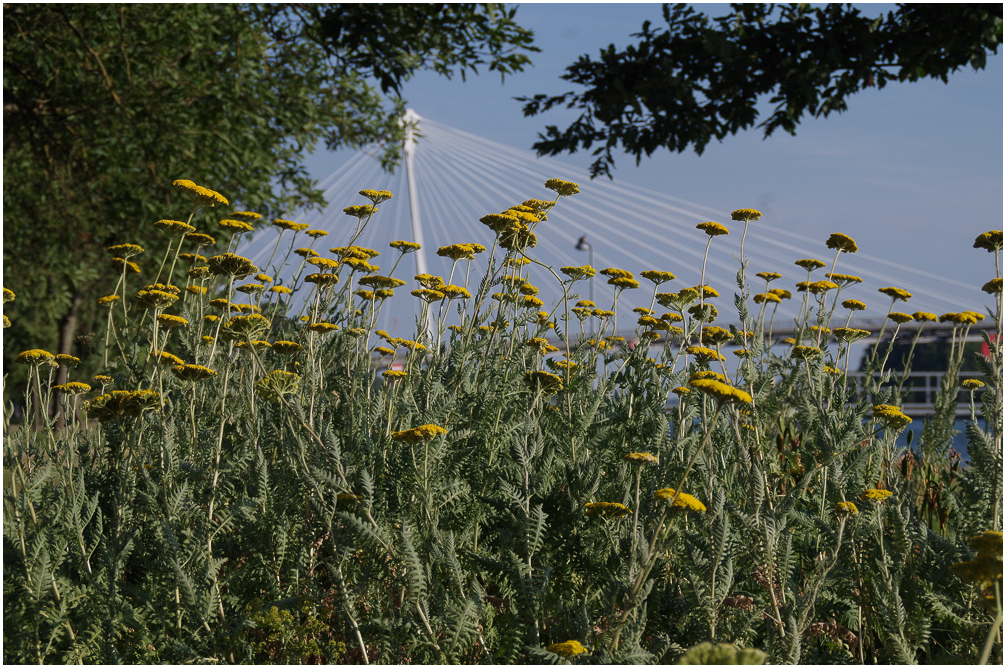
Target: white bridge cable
x=461, y=177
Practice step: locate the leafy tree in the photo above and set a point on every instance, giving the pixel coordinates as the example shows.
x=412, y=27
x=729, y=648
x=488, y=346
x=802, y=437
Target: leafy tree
x=105, y=105
x=698, y=78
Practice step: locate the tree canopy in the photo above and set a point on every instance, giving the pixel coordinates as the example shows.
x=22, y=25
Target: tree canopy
x=106, y=105
x=700, y=78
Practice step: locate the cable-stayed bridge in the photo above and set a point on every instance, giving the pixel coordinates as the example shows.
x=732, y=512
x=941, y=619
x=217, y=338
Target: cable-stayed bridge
x=459, y=177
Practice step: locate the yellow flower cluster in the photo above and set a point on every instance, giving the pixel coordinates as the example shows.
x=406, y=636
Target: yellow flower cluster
x=230, y=264
x=987, y=567
x=746, y=215
x=991, y=241
x=201, y=239
x=854, y=305
x=166, y=359
x=850, y=334
x=236, y=225
x=405, y=246
x=73, y=388
x=568, y=648
x=841, y=242
x=846, y=508
x=578, y=273
x=682, y=501
x=34, y=357
x=877, y=495
x=277, y=384
x=125, y=250
x=962, y=318
x=606, y=509
x=199, y=195
x=767, y=297
x=122, y=403
x=290, y=225
x=360, y=211
x=892, y=415
x=419, y=434
x=640, y=458
x=543, y=381
x=896, y=293
x=809, y=264
x=562, y=188
x=657, y=277
x=376, y=196
x=192, y=372
x=712, y=229
x=704, y=353
x=322, y=280
x=720, y=391
x=461, y=251
x=805, y=352
x=171, y=321
x=174, y=227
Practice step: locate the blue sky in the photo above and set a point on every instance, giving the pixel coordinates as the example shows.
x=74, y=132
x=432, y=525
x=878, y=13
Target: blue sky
x=913, y=172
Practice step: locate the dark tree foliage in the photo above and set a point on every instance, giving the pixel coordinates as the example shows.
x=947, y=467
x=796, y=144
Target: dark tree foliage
x=105, y=105
x=700, y=78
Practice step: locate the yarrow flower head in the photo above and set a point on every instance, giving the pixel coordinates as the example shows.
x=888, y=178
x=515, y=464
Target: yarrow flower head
x=712, y=229
x=972, y=384
x=174, y=227
x=876, y=494
x=568, y=648
x=606, y=509
x=229, y=264
x=360, y=211
x=995, y=286
x=405, y=246
x=746, y=215
x=892, y=416
x=809, y=264
x=277, y=384
x=377, y=196
x=236, y=225
x=640, y=458
x=896, y=293
x=657, y=277
x=74, y=388
x=34, y=357
x=682, y=501
x=562, y=188
x=290, y=225
x=199, y=195
x=578, y=273
x=419, y=434
x=543, y=381
x=854, y=305
x=850, y=334
x=125, y=250
x=846, y=508
x=192, y=372
x=841, y=242
x=721, y=391
x=991, y=241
